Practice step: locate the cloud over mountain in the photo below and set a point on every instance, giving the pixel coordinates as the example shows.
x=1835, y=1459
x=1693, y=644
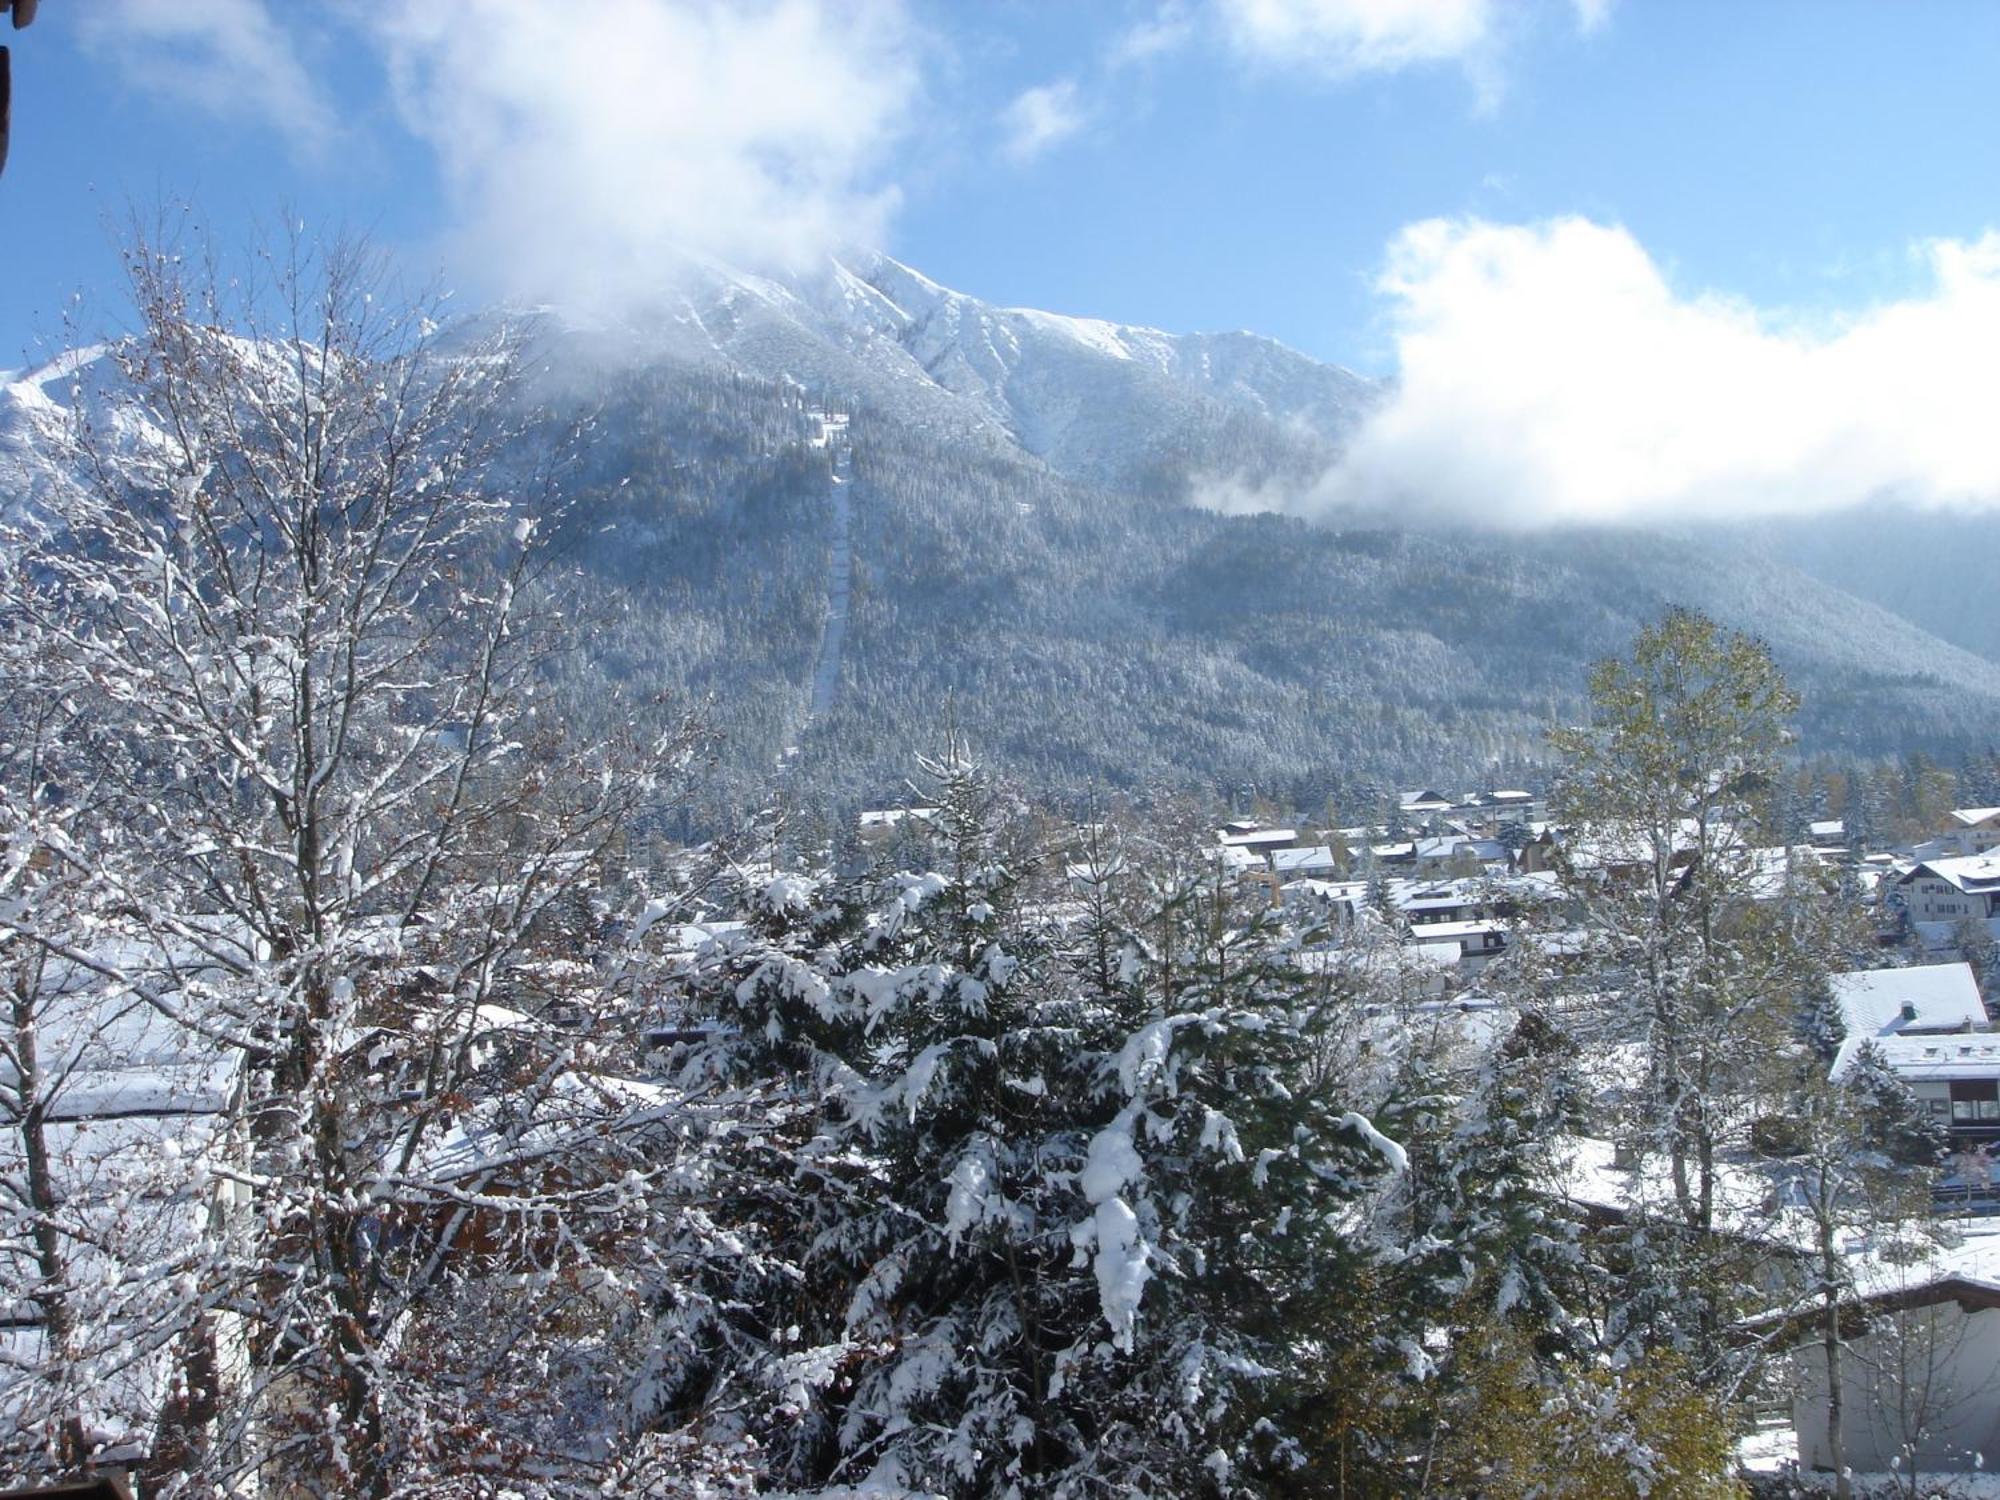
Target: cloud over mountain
x=1553, y=373
x=584, y=144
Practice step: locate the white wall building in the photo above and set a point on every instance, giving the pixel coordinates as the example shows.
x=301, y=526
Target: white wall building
x=1973, y=830
x=1950, y=890
x=1920, y=1369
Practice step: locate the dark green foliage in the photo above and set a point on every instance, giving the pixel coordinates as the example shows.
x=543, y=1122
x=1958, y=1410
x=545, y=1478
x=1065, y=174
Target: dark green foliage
x=1889, y=1117
x=1121, y=638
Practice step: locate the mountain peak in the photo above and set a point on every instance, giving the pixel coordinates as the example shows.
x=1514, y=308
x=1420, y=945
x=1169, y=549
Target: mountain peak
x=1092, y=398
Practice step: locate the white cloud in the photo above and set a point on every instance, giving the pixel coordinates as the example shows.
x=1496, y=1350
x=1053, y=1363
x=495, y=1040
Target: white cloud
x=229, y=57
x=1551, y=373
x=585, y=145
x=1167, y=30
x=1039, y=118
x=1590, y=14
x=1358, y=36
x=1345, y=38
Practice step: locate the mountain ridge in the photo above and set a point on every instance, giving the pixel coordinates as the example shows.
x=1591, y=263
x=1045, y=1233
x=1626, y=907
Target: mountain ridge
x=1093, y=399
x=1021, y=558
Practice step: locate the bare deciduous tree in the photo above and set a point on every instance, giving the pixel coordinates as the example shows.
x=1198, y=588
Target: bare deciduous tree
x=301, y=577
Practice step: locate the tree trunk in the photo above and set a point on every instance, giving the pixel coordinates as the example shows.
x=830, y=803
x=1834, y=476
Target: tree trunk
x=44, y=1199
x=1836, y=1447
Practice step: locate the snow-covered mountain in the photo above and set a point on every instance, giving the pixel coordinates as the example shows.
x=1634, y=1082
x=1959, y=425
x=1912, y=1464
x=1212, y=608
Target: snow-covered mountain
x=35, y=415
x=1095, y=400
x=1014, y=543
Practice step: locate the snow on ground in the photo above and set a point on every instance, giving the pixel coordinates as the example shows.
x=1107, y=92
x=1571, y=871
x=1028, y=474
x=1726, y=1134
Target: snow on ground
x=1899, y=1487
x=1768, y=1449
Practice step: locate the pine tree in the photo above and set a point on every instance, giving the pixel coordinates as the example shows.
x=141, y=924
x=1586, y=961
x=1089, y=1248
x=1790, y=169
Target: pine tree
x=1073, y=1187
x=1486, y=1211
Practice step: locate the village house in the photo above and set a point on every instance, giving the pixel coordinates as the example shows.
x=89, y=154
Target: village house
x=1929, y=1000
x=1489, y=811
x=1449, y=901
x=1955, y=1075
x=1950, y=890
x=1423, y=804
x=1919, y=1363
x=1972, y=830
x=1336, y=903
x=1456, y=854
x=1314, y=863
x=1259, y=841
x=880, y=825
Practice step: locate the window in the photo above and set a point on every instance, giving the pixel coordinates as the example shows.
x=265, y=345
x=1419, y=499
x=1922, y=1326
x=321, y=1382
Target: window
x=1976, y=1101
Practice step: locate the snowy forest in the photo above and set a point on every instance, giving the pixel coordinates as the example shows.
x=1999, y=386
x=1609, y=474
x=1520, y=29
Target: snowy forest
x=402, y=1092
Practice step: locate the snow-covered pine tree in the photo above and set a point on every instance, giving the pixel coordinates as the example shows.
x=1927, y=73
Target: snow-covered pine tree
x=1075, y=1176
x=1821, y=1027
x=906, y=1008
x=1889, y=1119
x=1493, y=1242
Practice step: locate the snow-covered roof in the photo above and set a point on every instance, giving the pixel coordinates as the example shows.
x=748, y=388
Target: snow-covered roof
x=1827, y=828
x=1318, y=857
x=1443, y=954
x=1326, y=890
x=1934, y=997
x=1972, y=817
x=889, y=817
x=1967, y=872
x=1899, y=1269
x=1773, y=869
x=1425, y=903
x=1262, y=838
x=130, y=1375
x=1940, y=937
x=1439, y=931
x=492, y=1138
x=137, y=1181
x=1488, y=851
x=1929, y=1059
x=1569, y=942
x=108, y=1052
x=1974, y=1258
x=1611, y=844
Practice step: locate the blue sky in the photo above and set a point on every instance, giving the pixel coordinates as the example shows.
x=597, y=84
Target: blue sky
x=1772, y=172
x=1788, y=153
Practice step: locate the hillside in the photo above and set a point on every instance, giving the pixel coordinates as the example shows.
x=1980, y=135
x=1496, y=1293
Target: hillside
x=1021, y=562
x=1935, y=568
x=1091, y=636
